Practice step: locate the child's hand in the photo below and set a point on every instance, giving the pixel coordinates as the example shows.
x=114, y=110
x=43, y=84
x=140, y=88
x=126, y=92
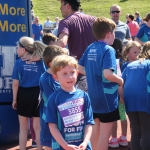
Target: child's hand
x=72, y=147
x=83, y=146
x=14, y=105
x=121, y=100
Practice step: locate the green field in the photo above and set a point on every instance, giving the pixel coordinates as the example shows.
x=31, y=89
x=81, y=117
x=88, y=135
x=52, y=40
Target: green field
x=51, y=8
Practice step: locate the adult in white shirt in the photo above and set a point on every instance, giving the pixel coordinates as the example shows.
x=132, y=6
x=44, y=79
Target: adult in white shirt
x=48, y=23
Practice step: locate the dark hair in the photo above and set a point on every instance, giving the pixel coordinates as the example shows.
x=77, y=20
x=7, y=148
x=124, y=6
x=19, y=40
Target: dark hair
x=48, y=37
x=73, y=3
x=131, y=17
x=117, y=45
x=147, y=17
x=102, y=26
x=50, y=52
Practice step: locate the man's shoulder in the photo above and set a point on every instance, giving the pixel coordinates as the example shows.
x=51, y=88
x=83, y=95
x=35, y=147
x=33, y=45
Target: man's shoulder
x=78, y=16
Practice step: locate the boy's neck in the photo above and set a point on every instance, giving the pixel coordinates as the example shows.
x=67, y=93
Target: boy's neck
x=103, y=40
x=73, y=89
x=49, y=71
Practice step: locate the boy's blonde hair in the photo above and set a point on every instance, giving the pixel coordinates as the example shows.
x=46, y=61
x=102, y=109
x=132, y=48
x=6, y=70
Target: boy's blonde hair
x=31, y=46
x=59, y=62
x=146, y=51
x=128, y=47
x=51, y=52
x=101, y=27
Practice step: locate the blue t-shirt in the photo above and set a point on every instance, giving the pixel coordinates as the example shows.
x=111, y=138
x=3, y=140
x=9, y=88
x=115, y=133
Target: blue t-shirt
x=36, y=29
x=103, y=93
x=47, y=86
x=144, y=33
x=71, y=111
x=28, y=73
x=124, y=65
x=137, y=86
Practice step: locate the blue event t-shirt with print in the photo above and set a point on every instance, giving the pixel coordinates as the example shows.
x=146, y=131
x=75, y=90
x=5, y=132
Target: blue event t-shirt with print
x=144, y=33
x=28, y=73
x=136, y=78
x=71, y=112
x=47, y=86
x=103, y=93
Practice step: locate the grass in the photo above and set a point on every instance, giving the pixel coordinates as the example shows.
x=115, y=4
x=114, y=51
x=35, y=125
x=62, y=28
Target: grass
x=98, y=8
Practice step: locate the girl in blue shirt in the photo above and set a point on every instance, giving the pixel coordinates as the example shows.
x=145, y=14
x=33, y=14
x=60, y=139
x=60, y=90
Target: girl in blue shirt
x=137, y=99
x=26, y=88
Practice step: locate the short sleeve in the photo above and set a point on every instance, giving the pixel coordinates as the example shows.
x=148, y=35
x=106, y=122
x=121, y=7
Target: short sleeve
x=83, y=58
x=109, y=59
x=63, y=28
x=140, y=33
x=89, y=112
x=124, y=74
x=15, y=74
x=51, y=111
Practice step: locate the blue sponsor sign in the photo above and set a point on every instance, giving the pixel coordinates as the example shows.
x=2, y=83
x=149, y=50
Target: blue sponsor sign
x=15, y=22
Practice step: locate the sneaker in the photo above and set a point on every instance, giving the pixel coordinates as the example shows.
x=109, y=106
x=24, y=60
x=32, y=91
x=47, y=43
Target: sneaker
x=33, y=144
x=122, y=142
x=113, y=144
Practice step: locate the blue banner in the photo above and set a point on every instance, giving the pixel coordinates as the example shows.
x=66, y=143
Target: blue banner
x=15, y=22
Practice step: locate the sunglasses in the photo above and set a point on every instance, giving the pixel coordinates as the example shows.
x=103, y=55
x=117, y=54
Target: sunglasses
x=113, y=12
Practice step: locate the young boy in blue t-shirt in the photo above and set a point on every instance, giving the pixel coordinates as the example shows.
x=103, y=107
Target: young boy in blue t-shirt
x=69, y=112
x=99, y=64
x=47, y=86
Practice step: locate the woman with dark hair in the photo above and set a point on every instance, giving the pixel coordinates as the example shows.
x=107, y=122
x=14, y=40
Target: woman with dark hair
x=143, y=34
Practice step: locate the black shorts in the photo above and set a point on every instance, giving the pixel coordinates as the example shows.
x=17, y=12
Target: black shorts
x=27, y=102
x=107, y=117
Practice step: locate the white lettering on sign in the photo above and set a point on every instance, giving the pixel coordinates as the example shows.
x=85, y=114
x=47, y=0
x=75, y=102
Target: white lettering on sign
x=8, y=54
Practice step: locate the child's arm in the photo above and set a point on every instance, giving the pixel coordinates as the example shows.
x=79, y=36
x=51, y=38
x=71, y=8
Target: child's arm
x=87, y=135
x=57, y=135
x=109, y=75
x=120, y=91
x=81, y=69
x=15, y=86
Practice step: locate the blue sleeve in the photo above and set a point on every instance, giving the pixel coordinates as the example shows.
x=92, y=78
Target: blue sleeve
x=109, y=59
x=89, y=112
x=46, y=87
x=15, y=74
x=140, y=33
x=124, y=75
x=51, y=111
x=83, y=58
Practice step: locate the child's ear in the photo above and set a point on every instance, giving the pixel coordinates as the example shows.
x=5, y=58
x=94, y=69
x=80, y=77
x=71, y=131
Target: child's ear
x=108, y=35
x=50, y=64
x=55, y=77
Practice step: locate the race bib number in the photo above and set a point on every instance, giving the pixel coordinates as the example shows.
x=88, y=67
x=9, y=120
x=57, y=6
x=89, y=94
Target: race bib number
x=72, y=112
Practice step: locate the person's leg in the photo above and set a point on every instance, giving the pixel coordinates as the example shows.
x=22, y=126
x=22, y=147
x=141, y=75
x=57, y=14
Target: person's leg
x=95, y=134
x=36, y=127
x=23, y=132
x=135, y=132
x=105, y=133
x=114, y=129
x=32, y=132
x=145, y=129
x=113, y=143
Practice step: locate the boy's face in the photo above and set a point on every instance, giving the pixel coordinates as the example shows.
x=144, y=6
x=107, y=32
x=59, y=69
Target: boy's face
x=111, y=37
x=67, y=77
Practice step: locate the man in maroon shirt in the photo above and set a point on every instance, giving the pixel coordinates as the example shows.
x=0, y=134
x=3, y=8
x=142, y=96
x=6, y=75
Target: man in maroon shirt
x=75, y=29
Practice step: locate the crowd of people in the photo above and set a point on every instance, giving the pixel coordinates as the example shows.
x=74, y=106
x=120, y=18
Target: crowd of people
x=76, y=95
